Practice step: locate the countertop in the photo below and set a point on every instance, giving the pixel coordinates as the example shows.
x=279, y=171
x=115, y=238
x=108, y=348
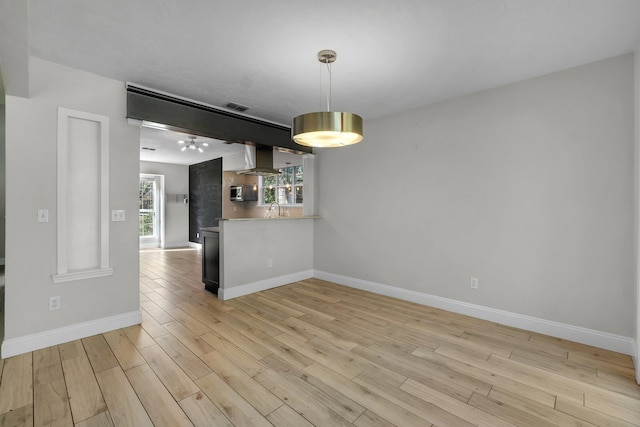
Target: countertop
x=214, y=229
x=278, y=218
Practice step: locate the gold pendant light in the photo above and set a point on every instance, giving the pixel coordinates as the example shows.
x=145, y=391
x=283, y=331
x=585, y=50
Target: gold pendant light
x=327, y=128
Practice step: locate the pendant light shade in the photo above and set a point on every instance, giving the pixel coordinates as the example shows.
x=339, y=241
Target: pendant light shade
x=326, y=129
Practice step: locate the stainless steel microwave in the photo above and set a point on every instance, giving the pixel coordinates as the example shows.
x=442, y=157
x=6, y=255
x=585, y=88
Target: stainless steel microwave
x=244, y=193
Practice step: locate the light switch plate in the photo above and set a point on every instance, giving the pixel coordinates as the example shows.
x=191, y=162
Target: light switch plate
x=117, y=215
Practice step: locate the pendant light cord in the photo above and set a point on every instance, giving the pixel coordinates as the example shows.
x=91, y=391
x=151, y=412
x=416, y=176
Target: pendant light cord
x=329, y=93
x=328, y=64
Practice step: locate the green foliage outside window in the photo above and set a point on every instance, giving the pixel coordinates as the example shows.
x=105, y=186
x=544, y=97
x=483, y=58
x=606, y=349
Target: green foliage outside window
x=285, y=189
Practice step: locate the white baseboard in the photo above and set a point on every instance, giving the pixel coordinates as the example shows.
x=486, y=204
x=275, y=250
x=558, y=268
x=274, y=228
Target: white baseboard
x=263, y=285
x=175, y=245
x=579, y=334
x=24, y=344
x=149, y=245
x=194, y=245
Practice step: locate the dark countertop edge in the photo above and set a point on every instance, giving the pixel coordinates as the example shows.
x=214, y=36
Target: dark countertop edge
x=213, y=229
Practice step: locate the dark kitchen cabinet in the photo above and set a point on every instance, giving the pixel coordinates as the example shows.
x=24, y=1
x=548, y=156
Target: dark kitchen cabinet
x=210, y=259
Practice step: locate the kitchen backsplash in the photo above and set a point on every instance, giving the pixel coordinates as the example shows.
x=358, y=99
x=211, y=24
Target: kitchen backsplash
x=246, y=209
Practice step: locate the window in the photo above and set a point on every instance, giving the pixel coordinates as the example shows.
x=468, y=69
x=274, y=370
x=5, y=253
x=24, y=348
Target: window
x=147, y=207
x=285, y=189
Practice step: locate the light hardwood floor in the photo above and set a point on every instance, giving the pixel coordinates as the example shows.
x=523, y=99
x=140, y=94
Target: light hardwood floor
x=310, y=353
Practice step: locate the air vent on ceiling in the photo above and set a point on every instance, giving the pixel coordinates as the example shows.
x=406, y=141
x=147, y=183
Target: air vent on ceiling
x=148, y=148
x=236, y=107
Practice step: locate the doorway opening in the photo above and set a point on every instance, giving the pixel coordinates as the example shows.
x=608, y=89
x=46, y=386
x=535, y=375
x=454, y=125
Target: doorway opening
x=151, y=211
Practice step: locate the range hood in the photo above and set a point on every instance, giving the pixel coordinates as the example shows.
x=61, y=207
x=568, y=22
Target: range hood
x=258, y=160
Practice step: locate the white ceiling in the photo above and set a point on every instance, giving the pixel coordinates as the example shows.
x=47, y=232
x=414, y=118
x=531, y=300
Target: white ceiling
x=393, y=55
x=166, y=149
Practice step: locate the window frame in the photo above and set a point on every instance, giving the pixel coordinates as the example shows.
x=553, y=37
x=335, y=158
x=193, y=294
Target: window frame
x=293, y=186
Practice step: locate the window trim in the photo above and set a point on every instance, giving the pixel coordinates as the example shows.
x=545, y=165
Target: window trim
x=261, y=187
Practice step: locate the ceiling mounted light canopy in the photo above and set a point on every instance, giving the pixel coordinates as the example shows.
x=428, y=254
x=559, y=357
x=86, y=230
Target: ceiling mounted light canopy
x=193, y=144
x=327, y=128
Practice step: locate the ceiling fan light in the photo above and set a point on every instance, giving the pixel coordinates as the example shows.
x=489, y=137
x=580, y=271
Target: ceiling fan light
x=200, y=150
x=183, y=148
x=327, y=129
x=205, y=144
x=181, y=142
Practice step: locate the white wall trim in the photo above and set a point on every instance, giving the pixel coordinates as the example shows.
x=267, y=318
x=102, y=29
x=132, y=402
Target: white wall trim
x=263, y=285
x=65, y=115
x=579, y=334
x=195, y=245
x=149, y=245
x=175, y=245
x=24, y=344
x=82, y=275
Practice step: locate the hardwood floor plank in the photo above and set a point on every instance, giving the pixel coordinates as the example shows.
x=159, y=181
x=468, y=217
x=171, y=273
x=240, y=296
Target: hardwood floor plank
x=188, y=321
x=284, y=416
x=138, y=336
x=401, y=398
x=85, y=396
x=193, y=342
x=247, y=387
x=16, y=389
x=50, y=399
x=506, y=412
x=191, y=364
x=174, y=379
x=19, y=417
x=366, y=397
x=151, y=325
x=157, y=401
x=335, y=360
x=245, y=362
x=589, y=415
x=101, y=420
x=71, y=349
x=454, y=406
x=123, y=349
x=544, y=413
x=124, y=405
x=203, y=413
x=301, y=398
x=238, y=410
x=99, y=353
x=488, y=377
x=369, y=419
x=615, y=405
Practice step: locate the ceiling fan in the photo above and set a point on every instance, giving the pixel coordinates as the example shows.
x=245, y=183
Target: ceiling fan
x=193, y=144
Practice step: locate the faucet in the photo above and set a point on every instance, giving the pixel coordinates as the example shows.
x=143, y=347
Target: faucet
x=271, y=206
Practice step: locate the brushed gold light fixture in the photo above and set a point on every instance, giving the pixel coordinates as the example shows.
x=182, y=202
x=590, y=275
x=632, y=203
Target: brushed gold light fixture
x=327, y=128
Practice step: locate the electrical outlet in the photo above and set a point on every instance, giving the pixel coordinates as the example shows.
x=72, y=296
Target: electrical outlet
x=43, y=215
x=474, y=283
x=54, y=303
x=269, y=263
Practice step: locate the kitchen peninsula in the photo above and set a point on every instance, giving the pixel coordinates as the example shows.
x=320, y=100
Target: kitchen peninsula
x=258, y=253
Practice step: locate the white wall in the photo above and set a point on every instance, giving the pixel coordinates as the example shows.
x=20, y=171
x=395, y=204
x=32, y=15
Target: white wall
x=176, y=216
x=528, y=187
x=31, y=134
x=246, y=247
